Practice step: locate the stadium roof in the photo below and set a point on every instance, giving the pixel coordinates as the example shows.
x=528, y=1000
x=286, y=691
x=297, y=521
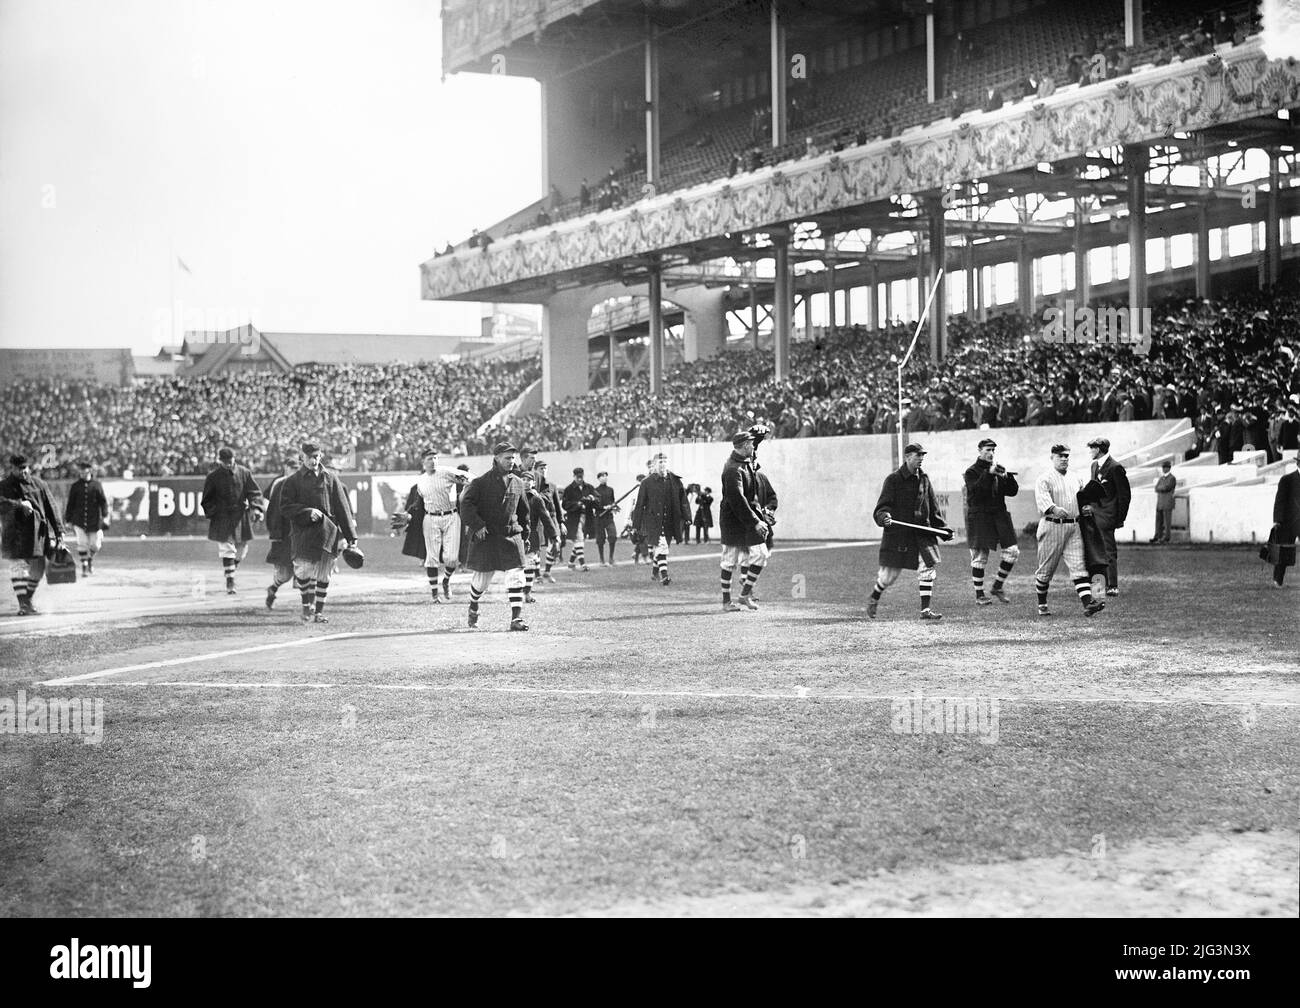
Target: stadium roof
x=211, y=351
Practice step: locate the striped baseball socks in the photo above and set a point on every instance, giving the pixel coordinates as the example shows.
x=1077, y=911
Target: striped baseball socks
x=516, y=595
x=726, y=586
x=321, y=588
x=977, y=579
x=432, y=574
x=661, y=566
x=927, y=589
x=1083, y=587
x=474, y=595
x=307, y=588
x=877, y=591
x=1004, y=572
x=530, y=575
x=228, y=565
x=751, y=578
x=1041, y=589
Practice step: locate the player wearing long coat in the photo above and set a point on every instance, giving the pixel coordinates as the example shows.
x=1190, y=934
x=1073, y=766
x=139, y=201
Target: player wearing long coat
x=27, y=534
x=988, y=522
x=908, y=497
x=305, y=490
x=737, y=519
x=277, y=527
x=495, y=501
x=661, y=508
x=704, y=510
x=229, y=495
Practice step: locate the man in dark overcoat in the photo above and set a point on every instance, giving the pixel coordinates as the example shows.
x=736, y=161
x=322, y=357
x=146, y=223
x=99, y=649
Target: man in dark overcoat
x=661, y=514
x=1286, y=523
x=231, y=497
x=494, y=511
x=988, y=522
x=30, y=532
x=1111, y=512
x=316, y=508
x=908, y=496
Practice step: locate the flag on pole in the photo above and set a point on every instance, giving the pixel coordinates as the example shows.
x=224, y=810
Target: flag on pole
x=181, y=263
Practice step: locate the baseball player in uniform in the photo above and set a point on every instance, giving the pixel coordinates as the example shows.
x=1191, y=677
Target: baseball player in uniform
x=661, y=514
x=744, y=533
x=907, y=494
x=437, y=489
x=87, y=512
x=1057, y=496
x=551, y=495
x=579, y=513
x=988, y=523
x=606, y=531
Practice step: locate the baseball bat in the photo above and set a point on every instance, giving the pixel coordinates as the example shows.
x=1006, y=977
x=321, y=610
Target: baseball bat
x=946, y=534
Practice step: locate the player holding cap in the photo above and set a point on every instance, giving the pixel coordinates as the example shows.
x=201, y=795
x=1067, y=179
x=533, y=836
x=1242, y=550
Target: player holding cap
x=1057, y=496
x=907, y=496
x=988, y=523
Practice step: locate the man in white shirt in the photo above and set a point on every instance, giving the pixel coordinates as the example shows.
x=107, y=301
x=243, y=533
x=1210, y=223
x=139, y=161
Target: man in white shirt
x=1056, y=494
x=438, y=489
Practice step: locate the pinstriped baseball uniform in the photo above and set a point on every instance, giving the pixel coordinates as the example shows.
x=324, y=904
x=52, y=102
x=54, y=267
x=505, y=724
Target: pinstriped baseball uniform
x=441, y=522
x=1059, y=541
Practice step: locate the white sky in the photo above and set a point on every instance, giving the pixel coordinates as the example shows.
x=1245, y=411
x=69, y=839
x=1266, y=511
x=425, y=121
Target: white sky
x=302, y=158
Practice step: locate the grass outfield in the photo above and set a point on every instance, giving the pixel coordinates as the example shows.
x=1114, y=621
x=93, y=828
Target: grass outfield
x=639, y=751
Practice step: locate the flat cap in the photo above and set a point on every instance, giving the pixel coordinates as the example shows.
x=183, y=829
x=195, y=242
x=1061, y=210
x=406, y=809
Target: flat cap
x=914, y=449
x=740, y=437
x=503, y=448
x=987, y=442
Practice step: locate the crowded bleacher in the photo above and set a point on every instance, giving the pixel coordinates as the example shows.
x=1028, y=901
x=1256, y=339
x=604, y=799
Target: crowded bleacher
x=1231, y=367
x=386, y=414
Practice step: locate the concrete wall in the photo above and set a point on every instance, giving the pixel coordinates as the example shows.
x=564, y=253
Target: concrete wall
x=828, y=486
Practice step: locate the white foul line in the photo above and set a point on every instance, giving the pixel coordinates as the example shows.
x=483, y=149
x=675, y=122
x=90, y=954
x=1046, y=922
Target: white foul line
x=682, y=694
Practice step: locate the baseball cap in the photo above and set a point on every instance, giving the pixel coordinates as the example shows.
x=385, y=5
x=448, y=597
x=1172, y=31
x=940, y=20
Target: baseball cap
x=309, y=447
x=530, y=452
x=740, y=437
x=226, y=454
x=914, y=449
x=539, y=464
x=579, y=471
x=427, y=452
x=18, y=460
x=503, y=448
x=463, y=467
x=987, y=442
x=600, y=474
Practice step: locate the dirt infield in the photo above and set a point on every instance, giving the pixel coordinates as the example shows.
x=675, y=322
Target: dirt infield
x=640, y=751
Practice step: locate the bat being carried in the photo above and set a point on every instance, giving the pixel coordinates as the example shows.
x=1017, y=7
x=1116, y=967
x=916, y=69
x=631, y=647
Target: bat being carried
x=611, y=507
x=945, y=534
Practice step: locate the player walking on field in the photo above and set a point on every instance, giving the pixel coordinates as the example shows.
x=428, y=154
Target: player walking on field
x=606, y=531
x=494, y=510
x=87, y=512
x=1057, y=496
x=661, y=514
x=907, y=496
x=31, y=531
x=988, y=523
x=316, y=507
x=579, y=514
x=230, y=498
x=742, y=529
x=437, y=489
